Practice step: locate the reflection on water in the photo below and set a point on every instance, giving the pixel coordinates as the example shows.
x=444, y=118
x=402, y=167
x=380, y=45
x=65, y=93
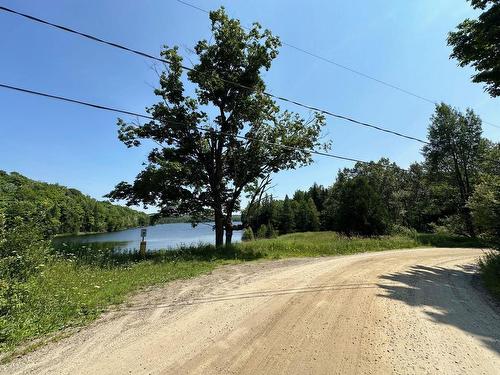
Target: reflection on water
x=162, y=236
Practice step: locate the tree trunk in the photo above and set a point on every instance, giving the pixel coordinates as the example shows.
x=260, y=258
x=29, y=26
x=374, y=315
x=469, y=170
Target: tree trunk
x=464, y=195
x=229, y=232
x=469, y=225
x=219, y=229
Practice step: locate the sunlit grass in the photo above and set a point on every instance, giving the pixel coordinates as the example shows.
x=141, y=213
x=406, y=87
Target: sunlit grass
x=325, y=243
x=79, y=283
x=68, y=294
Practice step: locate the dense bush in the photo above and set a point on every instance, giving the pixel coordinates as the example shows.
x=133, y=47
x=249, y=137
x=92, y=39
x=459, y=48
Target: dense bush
x=23, y=254
x=490, y=271
x=262, y=231
x=280, y=217
x=360, y=209
x=400, y=230
x=371, y=198
x=485, y=206
x=248, y=235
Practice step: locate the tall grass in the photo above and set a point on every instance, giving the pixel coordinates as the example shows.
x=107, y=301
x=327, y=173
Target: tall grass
x=79, y=282
x=67, y=295
x=323, y=244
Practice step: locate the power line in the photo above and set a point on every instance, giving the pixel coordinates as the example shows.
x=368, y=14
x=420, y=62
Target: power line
x=117, y=110
x=143, y=54
x=342, y=66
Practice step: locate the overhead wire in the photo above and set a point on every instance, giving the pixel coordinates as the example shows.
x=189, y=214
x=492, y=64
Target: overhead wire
x=342, y=66
x=131, y=113
x=186, y=68
x=140, y=53
x=205, y=129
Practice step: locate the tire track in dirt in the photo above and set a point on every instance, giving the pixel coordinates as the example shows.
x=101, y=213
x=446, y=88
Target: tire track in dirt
x=405, y=311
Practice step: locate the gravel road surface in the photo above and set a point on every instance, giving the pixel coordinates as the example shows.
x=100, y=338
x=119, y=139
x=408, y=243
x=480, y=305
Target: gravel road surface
x=403, y=312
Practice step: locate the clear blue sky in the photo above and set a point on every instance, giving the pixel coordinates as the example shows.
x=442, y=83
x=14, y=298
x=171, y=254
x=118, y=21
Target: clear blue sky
x=402, y=42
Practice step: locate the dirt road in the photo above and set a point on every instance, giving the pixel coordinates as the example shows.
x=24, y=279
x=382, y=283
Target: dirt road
x=403, y=312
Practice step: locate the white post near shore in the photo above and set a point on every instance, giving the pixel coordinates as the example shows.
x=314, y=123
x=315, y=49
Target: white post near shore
x=142, y=248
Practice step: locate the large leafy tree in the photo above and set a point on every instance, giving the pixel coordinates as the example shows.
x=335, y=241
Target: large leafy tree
x=477, y=43
x=204, y=164
x=485, y=200
x=386, y=179
x=454, y=154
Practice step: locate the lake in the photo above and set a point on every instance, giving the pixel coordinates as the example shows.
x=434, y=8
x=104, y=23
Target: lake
x=161, y=236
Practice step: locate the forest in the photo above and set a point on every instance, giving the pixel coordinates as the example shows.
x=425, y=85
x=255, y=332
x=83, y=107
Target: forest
x=454, y=190
x=59, y=210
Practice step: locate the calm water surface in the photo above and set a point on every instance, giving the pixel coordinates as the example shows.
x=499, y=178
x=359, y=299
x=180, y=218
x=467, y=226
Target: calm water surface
x=162, y=236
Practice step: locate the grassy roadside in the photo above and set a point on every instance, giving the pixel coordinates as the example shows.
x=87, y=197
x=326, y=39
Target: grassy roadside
x=325, y=243
x=74, y=288
x=65, y=295
x=77, y=286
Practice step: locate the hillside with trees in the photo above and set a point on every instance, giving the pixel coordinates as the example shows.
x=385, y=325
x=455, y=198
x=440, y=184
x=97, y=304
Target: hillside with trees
x=57, y=209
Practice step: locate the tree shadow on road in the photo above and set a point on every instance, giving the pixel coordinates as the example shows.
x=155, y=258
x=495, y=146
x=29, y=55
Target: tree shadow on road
x=452, y=298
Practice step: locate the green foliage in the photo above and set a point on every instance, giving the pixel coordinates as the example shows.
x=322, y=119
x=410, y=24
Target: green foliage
x=287, y=217
x=58, y=209
x=450, y=240
x=319, y=195
x=476, y=42
x=490, y=271
x=399, y=230
x=297, y=214
x=248, y=234
x=360, y=209
x=23, y=254
x=262, y=231
x=324, y=243
x=485, y=205
x=454, y=191
x=205, y=164
x=453, y=157
x=306, y=216
x=30, y=213
x=271, y=232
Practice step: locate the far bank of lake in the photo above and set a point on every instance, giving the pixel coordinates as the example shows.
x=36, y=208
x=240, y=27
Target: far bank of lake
x=161, y=236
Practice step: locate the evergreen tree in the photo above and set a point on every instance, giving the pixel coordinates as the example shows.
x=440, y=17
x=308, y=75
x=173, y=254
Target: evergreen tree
x=287, y=219
x=360, y=209
x=319, y=195
x=312, y=216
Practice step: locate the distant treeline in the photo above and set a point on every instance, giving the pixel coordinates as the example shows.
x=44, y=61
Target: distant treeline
x=380, y=198
x=58, y=209
x=156, y=219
